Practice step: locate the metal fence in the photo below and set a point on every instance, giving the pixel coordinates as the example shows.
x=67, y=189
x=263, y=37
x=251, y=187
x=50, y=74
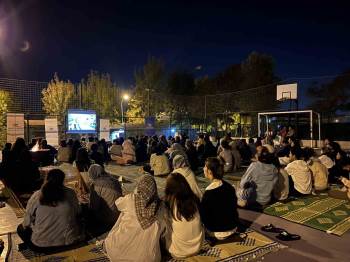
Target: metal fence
x=234, y=112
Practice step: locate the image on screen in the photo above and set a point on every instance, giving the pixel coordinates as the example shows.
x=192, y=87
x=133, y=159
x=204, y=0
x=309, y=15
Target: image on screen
x=81, y=121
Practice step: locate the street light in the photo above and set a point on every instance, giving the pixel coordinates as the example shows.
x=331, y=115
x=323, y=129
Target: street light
x=126, y=98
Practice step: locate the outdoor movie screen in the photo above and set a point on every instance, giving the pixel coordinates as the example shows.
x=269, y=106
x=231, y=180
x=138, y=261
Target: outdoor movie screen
x=81, y=121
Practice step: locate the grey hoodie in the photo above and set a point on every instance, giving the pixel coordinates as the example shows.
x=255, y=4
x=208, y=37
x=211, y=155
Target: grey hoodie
x=263, y=177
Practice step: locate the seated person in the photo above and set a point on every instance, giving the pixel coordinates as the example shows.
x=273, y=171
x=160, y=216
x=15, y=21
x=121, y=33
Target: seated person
x=318, y=171
x=181, y=167
x=184, y=233
x=20, y=173
x=82, y=163
x=136, y=234
x=236, y=155
x=128, y=154
x=159, y=164
x=218, y=208
x=300, y=178
x=227, y=156
x=116, y=149
x=104, y=191
x=141, y=150
x=258, y=182
x=51, y=218
x=192, y=156
x=64, y=152
x=49, y=160
x=281, y=189
x=95, y=155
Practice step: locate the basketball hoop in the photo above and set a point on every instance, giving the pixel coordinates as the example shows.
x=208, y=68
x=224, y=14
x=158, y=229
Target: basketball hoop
x=287, y=92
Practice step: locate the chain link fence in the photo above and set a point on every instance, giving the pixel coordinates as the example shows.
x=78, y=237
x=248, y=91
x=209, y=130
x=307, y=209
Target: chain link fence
x=234, y=112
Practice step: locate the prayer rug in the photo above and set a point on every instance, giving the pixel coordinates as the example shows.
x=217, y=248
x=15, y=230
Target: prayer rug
x=244, y=247
x=320, y=212
x=13, y=202
x=88, y=253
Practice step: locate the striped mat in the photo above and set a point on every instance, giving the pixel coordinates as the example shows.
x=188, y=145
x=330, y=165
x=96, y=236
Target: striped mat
x=320, y=212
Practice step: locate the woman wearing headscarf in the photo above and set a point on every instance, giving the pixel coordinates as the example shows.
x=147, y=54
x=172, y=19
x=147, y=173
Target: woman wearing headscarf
x=181, y=166
x=176, y=149
x=128, y=153
x=104, y=191
x=135, y=236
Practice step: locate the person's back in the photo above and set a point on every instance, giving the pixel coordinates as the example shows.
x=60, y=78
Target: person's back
x=136, y=234
x=104, y=191
x=141, y=151
x=23, y=175
x=192, y=155
x=64, y=152
x=115, y=150
x=184, y=232
x=319, y=174
x=227, y=156
x=51, y=215
x=264, y=177
x=301, y=175
x=54, y=226
x=219, y=208
x=188, y=174
x=159, y=164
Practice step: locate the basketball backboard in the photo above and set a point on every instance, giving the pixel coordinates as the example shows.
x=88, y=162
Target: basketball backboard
x=287, y=92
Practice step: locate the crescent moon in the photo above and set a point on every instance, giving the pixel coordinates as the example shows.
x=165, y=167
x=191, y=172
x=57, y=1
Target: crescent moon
x=25, y=47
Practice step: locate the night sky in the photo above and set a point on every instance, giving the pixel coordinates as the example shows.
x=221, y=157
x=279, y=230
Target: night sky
x=306, y=38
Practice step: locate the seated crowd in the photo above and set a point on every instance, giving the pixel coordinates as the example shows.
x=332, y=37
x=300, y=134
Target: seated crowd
x=177, y=224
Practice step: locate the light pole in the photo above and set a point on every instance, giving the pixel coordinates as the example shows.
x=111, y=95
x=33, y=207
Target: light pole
x=126, y=98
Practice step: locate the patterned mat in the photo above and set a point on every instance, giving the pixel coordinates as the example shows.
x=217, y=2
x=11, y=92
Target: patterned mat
x=244, y=247
x=320, y=212
x=247, y=246
x=88, y=253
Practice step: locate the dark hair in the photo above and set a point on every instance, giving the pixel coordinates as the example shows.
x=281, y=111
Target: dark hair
x=7, y=146
x=225, y=144
x=82, y=160
x=179, y=193
x=297, y=152
x=265, y=157
x=83, y=139
x=52, y=190
x=63, y=143
x=308, y=153
x=94, y=147
x=251, y=140
x=215, y=166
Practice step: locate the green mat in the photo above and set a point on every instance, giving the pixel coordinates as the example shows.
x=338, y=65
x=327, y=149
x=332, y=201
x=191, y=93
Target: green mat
x=320, y=212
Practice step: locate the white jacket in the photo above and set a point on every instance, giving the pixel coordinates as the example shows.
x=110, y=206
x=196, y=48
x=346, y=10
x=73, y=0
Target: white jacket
x=127, y=241
x=301, y=175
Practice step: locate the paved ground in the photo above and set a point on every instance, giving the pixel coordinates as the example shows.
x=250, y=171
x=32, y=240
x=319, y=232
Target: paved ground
x=315, y=245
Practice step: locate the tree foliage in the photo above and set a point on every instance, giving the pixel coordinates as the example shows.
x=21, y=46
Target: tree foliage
x=332, y=96
x=56, y=97
x=150, y=81
x=99, y=93
x=5, y=101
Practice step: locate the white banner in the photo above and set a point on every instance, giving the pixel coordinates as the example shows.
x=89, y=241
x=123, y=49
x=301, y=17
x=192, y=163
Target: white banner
x=104, y=129
x=15, y=127
x=51, y=131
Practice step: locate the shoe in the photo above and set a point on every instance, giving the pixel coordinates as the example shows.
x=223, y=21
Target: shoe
x=285, y=236
x=271, y=228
